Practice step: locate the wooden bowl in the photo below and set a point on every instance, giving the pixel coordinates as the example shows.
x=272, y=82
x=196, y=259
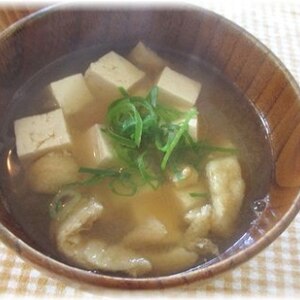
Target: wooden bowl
x=37, y=40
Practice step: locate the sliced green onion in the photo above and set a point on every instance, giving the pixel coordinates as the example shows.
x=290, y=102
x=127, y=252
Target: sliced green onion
x=199, y=195
x=152, y=96
x=147, y=137
x=122, y=91
x=122, y=116
x=138, y=128
x=165, y=136
x=183, y=128
x=146, y=172
x=167, y=114
x=123, y=186
x=120, y=139
x=100, y=172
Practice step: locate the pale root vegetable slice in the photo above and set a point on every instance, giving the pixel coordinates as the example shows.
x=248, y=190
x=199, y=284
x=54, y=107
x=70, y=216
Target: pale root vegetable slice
x=200, y=224
x=92, y=148
x=227, y=189
x=147, y=234
x=177, y=90
x=110, y=72
x=172, y=260
x=72, y=94
x=115, y=258
x=146, y=59
x=39, y=134
x=52, y=171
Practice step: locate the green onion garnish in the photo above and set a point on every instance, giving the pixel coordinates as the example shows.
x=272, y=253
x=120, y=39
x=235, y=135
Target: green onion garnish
x=199, y=195
x=182, y=129
x=149, y=141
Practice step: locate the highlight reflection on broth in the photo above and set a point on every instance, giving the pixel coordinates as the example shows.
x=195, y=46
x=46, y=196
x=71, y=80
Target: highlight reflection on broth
x=134, y=163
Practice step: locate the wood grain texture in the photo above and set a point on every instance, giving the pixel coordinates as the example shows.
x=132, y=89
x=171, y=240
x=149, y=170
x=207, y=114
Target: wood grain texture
x=11, y=14
x=28, y=46
x=288, y=163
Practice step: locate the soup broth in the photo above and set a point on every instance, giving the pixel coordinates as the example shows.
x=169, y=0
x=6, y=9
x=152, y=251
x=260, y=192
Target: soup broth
x=224, y=113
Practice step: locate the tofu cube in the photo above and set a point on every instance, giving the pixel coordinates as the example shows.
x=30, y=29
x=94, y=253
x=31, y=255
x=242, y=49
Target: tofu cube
x=39, y=134
x=110, y=72
x=92, y=148
x=71, y=94
x=193, y=128
x=77, y=102
x=177, y=90
x=146, y=59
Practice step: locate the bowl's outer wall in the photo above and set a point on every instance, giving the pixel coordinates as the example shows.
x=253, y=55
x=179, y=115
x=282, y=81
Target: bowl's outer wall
x=27, y=47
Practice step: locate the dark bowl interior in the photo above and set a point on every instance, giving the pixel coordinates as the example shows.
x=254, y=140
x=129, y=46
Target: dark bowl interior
x=38, y=40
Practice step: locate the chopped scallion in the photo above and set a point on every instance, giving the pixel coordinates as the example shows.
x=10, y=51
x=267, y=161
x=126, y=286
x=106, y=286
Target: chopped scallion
x=199, y=195
x=148, y=143
x=183, y=128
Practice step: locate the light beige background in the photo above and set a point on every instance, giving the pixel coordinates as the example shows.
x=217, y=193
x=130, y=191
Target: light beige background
x=273, y=273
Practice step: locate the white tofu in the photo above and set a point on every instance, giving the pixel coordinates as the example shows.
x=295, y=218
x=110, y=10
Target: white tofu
x=93, y=148
x=71, y=94
x=146, y=59
x=187, y=197
x=227, y=189
x=110, y=72
x=177, y=90
x=39, y=134
x=193, y=127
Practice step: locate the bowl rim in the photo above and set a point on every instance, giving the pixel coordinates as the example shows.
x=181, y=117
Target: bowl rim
x=46, y=263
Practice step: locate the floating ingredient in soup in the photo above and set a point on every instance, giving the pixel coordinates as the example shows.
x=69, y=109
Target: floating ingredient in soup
x=150, y=196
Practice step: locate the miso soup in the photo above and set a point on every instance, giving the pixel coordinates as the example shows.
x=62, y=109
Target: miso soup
x=133, y=162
